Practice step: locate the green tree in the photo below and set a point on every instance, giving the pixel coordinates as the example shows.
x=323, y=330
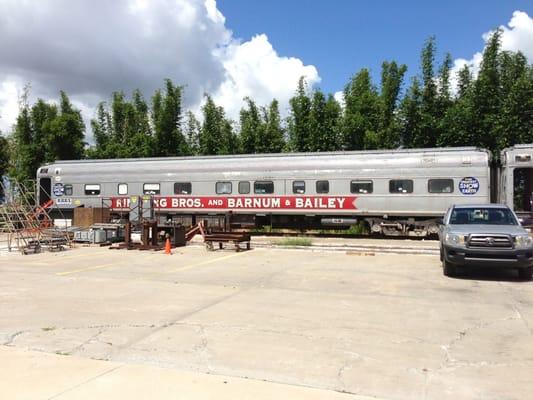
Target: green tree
x=515, y=124
x=4, y=155
x=67, y=133
x=123, y=129
x=141, y=140
x=298, y=122
x=444, y=94
x=391, y=82
x=331, y=140
x=428, y=133
x=4, y=161
x=193, y=133
x=44, y=133
x=464, y=81
x=410, y=115
x=361, y=113
x=317, y=119
x=272, y=140
x=252, y=127
x=211, y=128
x=324, y=123
x=25, y=163
x=101, y=127
x=486, y=95
x=166, y=118
x=216, y=135
x=229, y=142
x=459, y=120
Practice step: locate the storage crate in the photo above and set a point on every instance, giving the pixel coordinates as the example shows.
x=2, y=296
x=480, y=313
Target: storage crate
x=84, y=217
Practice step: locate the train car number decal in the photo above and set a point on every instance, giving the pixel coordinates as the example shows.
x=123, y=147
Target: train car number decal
x=469, y=185
x=64, y=201
x=248, y=203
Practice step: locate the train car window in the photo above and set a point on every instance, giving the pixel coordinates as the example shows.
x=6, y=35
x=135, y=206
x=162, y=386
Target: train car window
x=322, y=186
x=244, y=187
x=361, y=186
x=182, y=188
x=440, y=186
x=401, y=186
x=263, y=187
x=151, y=188
x=298, y=187
x=68, y=190
x=122, y=188
x=223, y=188
x=92, y=190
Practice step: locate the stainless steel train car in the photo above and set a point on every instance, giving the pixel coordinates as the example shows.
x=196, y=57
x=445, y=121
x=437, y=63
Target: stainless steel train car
x=515, y=180
x=395, y=192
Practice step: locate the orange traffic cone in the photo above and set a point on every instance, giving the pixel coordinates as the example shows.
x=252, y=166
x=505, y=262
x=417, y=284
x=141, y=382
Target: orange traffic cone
x=167, y=247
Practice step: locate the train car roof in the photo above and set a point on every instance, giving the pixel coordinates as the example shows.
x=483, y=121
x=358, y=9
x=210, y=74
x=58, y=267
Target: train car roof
x=277, y=155
x=519, y=155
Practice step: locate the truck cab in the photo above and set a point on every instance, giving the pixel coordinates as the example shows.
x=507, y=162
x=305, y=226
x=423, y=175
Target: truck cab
x=484, y=235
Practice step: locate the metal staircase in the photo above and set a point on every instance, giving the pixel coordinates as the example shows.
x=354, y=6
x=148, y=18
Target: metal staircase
x=26, y=227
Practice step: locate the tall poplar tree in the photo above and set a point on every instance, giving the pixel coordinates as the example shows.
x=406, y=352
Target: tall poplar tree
x=252, y=127
x=272, y=140
x=67, y=133
x=298, y=121
x=428, y=134
x=410, y=115
x=216, y=134
x=192, y=131
x=361, y=113
x=44, y=133
x=391, y=82
x=167, y=115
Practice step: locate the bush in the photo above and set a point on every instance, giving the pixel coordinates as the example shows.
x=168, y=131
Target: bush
x=295, y=241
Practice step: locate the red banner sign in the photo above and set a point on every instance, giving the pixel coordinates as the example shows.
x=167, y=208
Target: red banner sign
x=246, y=203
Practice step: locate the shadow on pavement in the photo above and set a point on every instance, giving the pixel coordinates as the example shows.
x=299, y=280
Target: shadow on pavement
x=489, y=274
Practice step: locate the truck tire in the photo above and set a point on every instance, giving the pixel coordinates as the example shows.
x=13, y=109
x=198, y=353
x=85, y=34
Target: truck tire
x=525, y=273
x=448, y=269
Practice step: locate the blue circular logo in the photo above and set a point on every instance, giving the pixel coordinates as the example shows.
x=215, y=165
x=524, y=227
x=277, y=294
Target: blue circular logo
x=469, y=185
x=59, y=189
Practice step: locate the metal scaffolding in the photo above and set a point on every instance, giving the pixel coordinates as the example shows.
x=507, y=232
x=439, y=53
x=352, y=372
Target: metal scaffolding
x=27, y=226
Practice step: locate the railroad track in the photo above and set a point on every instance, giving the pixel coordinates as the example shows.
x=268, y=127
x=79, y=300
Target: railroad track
x=337, y=235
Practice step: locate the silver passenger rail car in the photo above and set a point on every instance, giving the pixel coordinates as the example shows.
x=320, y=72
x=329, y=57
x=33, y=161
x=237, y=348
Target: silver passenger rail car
x=395, y=192
x=516, y=181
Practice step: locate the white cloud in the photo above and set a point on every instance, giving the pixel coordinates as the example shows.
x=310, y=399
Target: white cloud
x=92, y=48
x=254, y=69
x=9, y=95
x=517, y=36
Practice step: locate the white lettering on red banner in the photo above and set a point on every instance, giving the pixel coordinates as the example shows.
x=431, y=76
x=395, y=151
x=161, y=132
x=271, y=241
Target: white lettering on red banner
x=248, y=203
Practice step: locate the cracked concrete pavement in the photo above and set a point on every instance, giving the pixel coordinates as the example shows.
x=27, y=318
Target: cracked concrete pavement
x=386, y=326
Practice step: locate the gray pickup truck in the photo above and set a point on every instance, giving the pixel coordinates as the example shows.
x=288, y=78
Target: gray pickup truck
x=487, y=235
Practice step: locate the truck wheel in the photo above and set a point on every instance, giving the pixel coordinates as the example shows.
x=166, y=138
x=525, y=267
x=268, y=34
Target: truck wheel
x=525, y=273
x=448, y=269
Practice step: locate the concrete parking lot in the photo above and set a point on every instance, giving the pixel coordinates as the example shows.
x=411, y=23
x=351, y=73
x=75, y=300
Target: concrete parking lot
x=387, y=326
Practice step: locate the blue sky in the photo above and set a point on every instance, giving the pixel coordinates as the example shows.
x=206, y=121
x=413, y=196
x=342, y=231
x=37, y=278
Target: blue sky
x=232, y=49
x=339, y=37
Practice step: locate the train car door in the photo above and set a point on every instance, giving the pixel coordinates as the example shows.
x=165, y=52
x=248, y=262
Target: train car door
x=516, y=184
x=45, y=187
x=523, y=189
